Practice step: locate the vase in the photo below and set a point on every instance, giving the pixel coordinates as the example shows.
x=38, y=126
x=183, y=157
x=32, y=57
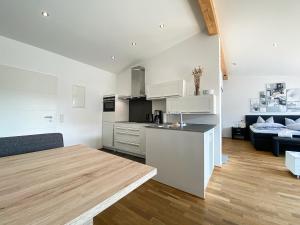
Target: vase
x=197, y=84
x=197, y=91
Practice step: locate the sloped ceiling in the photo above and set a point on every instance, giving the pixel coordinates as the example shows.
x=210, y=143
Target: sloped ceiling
x=260, y=37
x=92, y=31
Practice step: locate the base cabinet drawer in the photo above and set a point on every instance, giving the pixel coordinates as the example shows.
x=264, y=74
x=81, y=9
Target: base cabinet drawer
x=128, y=137
x=127, y=130
x=127, y=146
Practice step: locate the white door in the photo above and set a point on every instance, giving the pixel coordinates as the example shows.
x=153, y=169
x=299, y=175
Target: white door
x=28, y=102
x=107, y=134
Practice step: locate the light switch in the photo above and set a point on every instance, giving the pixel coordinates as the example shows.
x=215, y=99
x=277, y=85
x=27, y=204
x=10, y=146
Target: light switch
x=61, y=118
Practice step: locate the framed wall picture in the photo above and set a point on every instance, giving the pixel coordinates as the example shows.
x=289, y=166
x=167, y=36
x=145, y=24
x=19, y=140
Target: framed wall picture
x=293, y=100
x=262, y=101
x=276, y=97
x=78, y=96
x=262, y=98
x=254, y=105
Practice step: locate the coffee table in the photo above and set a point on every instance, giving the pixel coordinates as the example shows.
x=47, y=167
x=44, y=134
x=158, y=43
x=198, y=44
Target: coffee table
x=292, y=162
x=285, y=143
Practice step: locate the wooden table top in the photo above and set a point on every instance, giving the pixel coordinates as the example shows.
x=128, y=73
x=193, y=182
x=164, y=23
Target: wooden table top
x=65, y=186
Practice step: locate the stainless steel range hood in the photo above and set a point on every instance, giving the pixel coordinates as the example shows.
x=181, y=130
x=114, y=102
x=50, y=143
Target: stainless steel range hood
x=137, y=83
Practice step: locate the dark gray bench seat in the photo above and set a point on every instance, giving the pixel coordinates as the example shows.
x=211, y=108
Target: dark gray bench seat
x=29, y=143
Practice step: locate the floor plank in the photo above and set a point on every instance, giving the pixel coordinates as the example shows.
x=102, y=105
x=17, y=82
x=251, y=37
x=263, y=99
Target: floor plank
x=253, y=188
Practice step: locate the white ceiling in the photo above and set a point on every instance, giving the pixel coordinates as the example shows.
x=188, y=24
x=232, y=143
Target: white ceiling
x=250, y=27
x=91, y=31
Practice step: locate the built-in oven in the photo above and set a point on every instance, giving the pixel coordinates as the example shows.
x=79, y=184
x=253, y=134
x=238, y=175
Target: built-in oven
x=109, y=103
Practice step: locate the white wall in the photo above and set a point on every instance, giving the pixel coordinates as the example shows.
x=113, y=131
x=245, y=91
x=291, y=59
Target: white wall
x=80, y=125
x=177, y=63
x=237, y=93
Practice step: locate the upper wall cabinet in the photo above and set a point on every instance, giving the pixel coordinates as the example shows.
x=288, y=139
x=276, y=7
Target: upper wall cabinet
x=203, y=104
x=167, y=89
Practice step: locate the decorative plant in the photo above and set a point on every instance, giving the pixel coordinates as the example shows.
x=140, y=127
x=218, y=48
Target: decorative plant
x=197, y=73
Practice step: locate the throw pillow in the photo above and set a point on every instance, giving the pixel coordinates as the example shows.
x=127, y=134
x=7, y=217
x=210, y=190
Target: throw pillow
x=270, y=120
x=294, y=126
x=290, y=121
x=268, y=126
x=260, y=120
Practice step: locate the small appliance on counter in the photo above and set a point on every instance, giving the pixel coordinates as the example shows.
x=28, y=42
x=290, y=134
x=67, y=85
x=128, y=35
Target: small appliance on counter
x=158, y=116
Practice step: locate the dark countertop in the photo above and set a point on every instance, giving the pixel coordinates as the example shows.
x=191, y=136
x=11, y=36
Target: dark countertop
x=127, y=122
x=202, y=128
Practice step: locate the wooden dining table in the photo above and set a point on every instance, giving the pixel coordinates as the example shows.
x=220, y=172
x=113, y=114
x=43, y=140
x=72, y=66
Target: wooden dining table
x=65, y=186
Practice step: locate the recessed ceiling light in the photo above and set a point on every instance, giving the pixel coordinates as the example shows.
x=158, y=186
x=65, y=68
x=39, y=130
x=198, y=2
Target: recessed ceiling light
x=133, y=43
x=162, y=26
x=45, y=14
x=275, y=45
x=113, y=57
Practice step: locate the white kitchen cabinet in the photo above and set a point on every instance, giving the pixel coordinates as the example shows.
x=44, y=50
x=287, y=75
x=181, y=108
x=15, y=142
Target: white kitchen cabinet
x=130, y=138
x=208, y=155
x=184, y=159
x=108, y=134
x=202, y=104
x=167, y=89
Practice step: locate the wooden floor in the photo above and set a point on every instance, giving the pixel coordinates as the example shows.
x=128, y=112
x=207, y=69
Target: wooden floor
x=253, y=188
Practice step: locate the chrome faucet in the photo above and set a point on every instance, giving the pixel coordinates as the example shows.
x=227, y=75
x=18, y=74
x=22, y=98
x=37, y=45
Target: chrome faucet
x=181, y=120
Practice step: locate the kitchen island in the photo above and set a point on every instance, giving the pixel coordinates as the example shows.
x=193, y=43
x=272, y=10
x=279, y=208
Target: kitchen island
x=183, y=156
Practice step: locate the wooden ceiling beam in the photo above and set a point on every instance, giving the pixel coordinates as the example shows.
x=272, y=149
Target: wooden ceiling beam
x=209, y=15
x=223, y=65
x=210, y=19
